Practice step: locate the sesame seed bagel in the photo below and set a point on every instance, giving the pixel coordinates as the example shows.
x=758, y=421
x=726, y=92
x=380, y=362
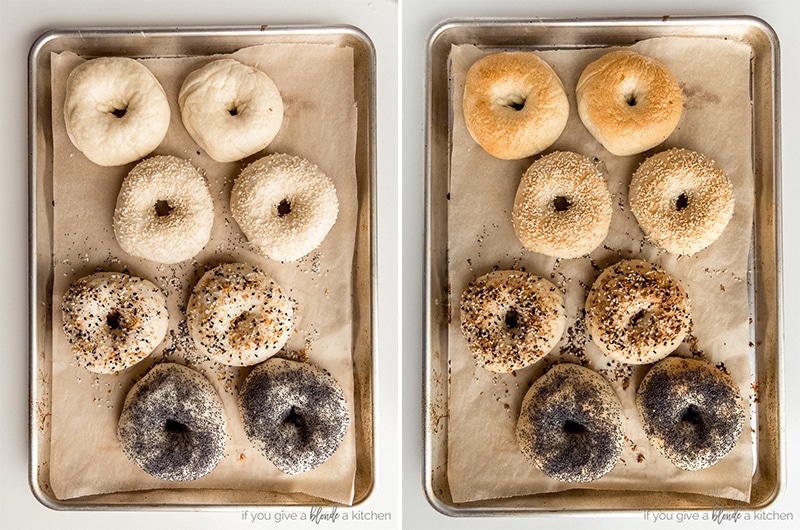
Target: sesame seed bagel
x=562, y=207
x=239, y=316
x=294, y=413
x=285, y=205
x=511, y=319
x=164, y=210
x=682, y=200
x=172, y=424
x=628, y=102
x=691, y=412
x=570, y=424
x=115, y=110
x=514, y=104
x=637, y=313
x=113, y=320
x=230, y=109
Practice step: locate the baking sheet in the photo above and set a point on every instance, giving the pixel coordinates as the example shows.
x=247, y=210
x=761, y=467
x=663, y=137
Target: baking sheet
x=715, y=278
x=321, y=123
x=459, y=479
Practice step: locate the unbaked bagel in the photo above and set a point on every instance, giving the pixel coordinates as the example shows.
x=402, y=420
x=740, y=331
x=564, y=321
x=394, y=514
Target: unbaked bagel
x=511, y=319
x=691, y=412
x=682, y=200
x=562, y=206
x=628, y=102
x=115, y=110
x=113, y=320
x=514, y=104
x=164, y=210
x=230, y=109
x=239, y=316
x=285, y=206
x=172, y=424
x=637, y=313
x=294, y=413
x=570, y=424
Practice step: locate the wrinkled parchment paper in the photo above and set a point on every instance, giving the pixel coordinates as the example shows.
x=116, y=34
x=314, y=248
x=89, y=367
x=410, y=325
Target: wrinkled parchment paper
x=316, y=83
x=484, y=461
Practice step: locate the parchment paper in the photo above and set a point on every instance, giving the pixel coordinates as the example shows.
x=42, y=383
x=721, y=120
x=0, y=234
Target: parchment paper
x=484, y=460
x=316, y=83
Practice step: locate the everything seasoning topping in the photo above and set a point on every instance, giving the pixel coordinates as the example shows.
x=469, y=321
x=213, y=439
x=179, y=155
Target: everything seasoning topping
x=238, y=315
x=511, y=319
x=113, y=320
x=637, y=313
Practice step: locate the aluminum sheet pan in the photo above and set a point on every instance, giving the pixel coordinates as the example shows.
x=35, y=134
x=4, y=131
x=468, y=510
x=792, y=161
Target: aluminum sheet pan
x=179, y=42
x=765, y=277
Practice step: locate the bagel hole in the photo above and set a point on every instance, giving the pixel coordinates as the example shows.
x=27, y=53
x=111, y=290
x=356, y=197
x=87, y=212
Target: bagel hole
x=163, y=208
x=573, y=427
x=692, y=415
x=638, y=317
x=293, y=418
x=175, y=427
x=561, y=204
x=114, y=320
x=682, y=202
x=233, y=111
x=119, y=113
x=630, y=99
x=284, y=208
x=512, y=319
x=515, y=102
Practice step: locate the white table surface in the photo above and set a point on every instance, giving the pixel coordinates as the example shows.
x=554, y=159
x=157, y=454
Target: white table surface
x=400, y=186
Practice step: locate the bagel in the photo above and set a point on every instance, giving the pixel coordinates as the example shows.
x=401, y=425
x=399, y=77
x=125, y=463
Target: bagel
x=511, y=319
x=562, y=207
x=691, y=412
x=238, y=316
x=113, y=320
x=628, y=102
x=294, y=413
x=637, y=313
x=164, y=210
x=230, y=109
x=514, y=104
x=172, y=424
x=682, y=200
x=115, y=110
x=570, y=424
x=285, y=206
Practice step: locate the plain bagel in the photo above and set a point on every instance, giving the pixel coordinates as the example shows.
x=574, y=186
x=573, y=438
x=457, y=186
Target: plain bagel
x=628, y=102
x=230, y=109
x=514, y=104
x=115, y=110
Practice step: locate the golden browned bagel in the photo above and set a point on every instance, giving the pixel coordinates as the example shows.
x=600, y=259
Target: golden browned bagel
x=629, y=102
x=514, y=104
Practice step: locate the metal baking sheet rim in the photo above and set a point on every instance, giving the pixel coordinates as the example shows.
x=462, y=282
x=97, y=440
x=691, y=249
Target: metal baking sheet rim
x=766, y=253
x=195, y=41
